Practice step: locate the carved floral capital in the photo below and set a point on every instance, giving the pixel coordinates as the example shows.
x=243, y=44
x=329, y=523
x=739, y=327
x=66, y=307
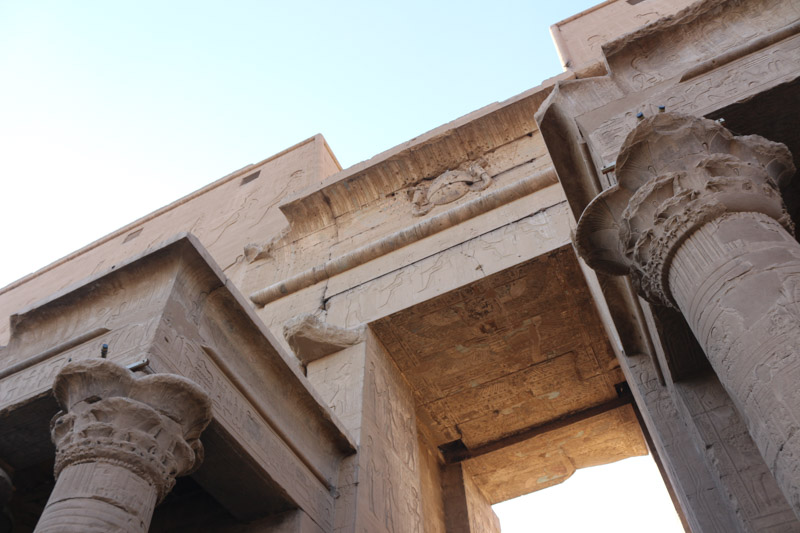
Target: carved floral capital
x=675, y=173
x=150, y=425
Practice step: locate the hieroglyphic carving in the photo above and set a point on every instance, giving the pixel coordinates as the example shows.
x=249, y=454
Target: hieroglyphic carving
x=339, y=379
x=736, y=280
x=448, y=187
x=389, y=476
x=127, y=344
x=120, y=443
x=453, y=267
x=503, y=353
x=579, y=38
x=551, y=457
x=105, y=305
x=703, y=504
x=703, y=94
x=732, y=455
x=656, y=52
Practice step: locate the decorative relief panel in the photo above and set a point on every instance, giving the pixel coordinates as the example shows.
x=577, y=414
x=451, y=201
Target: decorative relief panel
x=699, y=95
x=389, y=477
x=448, y=187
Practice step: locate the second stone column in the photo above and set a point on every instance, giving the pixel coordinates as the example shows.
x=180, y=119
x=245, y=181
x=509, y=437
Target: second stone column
x=698, y=222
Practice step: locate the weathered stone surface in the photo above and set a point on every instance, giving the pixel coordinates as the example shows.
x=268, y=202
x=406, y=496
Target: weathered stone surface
x=579, y=39
x=485, y=370
x=705, y=507
x=225, y=216
x=121, y=441
x=741, y=299
x=726, y=59
x=502, y=354
x=310, y=338
x=173, y=308
x=339, y=379
x=739, y=470
x=382, y=490
x=431, y=485
x=403, y=238
x=699, y=223
x=350, y=303
x=448, y=187
x=675, y=174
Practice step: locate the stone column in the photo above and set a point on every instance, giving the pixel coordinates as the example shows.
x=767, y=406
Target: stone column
x=120, y=443
x=698, y=222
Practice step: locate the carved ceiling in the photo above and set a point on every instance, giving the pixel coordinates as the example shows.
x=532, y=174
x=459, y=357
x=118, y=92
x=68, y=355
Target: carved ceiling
x=510, y=353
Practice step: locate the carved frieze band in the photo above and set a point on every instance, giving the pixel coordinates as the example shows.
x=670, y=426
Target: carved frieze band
x=150, y=425
x=702, y=93
x=406, y=236
x=675, y=173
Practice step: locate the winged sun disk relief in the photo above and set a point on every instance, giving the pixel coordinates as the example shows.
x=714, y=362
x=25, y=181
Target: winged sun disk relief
x=448, y=187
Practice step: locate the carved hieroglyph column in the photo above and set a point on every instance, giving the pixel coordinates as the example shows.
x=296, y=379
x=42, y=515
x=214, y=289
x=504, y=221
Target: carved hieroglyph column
x=120, y=443
x=698, y=222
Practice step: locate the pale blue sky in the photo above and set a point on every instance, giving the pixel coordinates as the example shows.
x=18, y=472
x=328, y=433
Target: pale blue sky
x=109, y=110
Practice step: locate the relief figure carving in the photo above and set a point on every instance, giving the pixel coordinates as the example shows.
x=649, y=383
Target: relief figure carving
x=448, y=187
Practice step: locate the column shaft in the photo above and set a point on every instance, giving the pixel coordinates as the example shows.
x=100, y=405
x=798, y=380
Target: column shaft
x=737, y=281
x=120, y=442
x=98, y=498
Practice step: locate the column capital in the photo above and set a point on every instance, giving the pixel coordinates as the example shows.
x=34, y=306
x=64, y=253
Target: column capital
x=149, y=425
x=675, y=173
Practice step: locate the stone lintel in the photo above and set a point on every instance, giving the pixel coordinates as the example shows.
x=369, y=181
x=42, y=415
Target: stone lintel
x=493, y=251
x=549, y=457
x=174, y=307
